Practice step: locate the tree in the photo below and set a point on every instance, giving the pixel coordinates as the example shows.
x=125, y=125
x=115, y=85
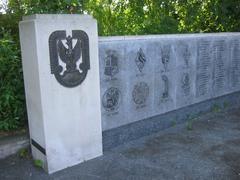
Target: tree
x=115, y=17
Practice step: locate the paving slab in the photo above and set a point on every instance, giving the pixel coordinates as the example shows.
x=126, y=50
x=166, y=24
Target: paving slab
x=11, y=144
x=205, y=147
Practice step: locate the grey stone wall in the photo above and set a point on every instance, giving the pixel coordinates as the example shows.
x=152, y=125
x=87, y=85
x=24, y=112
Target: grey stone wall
x=145, y=76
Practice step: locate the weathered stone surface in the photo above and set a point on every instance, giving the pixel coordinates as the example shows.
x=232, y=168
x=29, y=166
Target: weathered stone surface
x=173, y=71
x=64, y=120
x=220, y=67
x=113, y=84
x=140, y=58
x=186, y=53
x=234, y=60
x=204, y=69
x=165, y=67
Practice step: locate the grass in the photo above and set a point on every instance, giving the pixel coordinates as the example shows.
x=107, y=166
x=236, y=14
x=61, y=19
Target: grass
x=23, y=153
x=216, y=108
x=225, y=105
x=38, y=163
x=189, y=125
x=173, y=123
x=190, y=120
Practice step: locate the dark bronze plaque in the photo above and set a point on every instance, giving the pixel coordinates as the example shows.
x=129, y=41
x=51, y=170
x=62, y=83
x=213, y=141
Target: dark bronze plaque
x=186, y=84
x=74, y=72
x=111, y=63
x=140, y=93
x=111, y=98
x=140, y=60
x=165, y=51
x=165, y=93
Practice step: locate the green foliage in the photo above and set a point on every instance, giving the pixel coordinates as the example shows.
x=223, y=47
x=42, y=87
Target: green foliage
x=189, y=125
x=12, y=105
x=216, y=108
x=173, y=123
x=190, y=121
x=225, y=105
x=133, y=17
x=24, y=7
x=208, y=15
x=23, y=153
x=115, y=17
x=122, y=17
x=38, y=163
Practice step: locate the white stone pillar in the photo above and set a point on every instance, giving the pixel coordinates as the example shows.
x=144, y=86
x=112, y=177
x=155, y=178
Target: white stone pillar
x=62, y=86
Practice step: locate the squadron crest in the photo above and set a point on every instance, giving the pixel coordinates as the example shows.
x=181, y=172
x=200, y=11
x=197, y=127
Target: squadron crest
x=140, y=60
x=69, y=63
x=111, y=63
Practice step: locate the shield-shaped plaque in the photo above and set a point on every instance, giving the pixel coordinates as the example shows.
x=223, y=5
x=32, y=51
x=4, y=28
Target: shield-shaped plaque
x=69, y=61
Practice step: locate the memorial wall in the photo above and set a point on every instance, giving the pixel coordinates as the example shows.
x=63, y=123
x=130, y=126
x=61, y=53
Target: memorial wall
x=72, y=99
x=145, y=76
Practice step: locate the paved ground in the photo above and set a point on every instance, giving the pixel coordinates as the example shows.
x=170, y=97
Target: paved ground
x=204, y=148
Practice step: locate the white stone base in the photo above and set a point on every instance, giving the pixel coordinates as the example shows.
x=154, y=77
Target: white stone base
x=65, y=122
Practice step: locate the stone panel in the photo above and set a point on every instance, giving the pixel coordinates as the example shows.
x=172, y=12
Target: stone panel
x=234, y=70
x=113, y=81
x=185, y=71
x=140, y=64
x=220, y=67
x=164, y=77
x=204, y=69
x=167, y=72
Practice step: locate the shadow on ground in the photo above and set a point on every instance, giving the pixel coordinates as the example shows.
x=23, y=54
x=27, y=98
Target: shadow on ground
x=210, y=149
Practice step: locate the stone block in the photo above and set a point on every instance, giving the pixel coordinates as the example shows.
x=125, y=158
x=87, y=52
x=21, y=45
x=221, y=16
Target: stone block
x=113, y=69
x=185, y=71
x=164, y=76
x=234, y=61
x=204, y=69
x=62, y=85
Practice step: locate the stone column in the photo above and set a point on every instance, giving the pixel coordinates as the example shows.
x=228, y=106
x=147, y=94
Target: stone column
x=62, y=86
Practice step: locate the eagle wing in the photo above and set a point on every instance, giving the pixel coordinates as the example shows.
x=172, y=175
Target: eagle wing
x=62, y=51
x=77, y=51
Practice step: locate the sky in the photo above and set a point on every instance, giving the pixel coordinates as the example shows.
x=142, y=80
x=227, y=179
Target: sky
x=3, y=4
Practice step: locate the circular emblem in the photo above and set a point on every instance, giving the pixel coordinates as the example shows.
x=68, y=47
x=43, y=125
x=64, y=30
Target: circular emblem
x=111, y=98
x=140, y=93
